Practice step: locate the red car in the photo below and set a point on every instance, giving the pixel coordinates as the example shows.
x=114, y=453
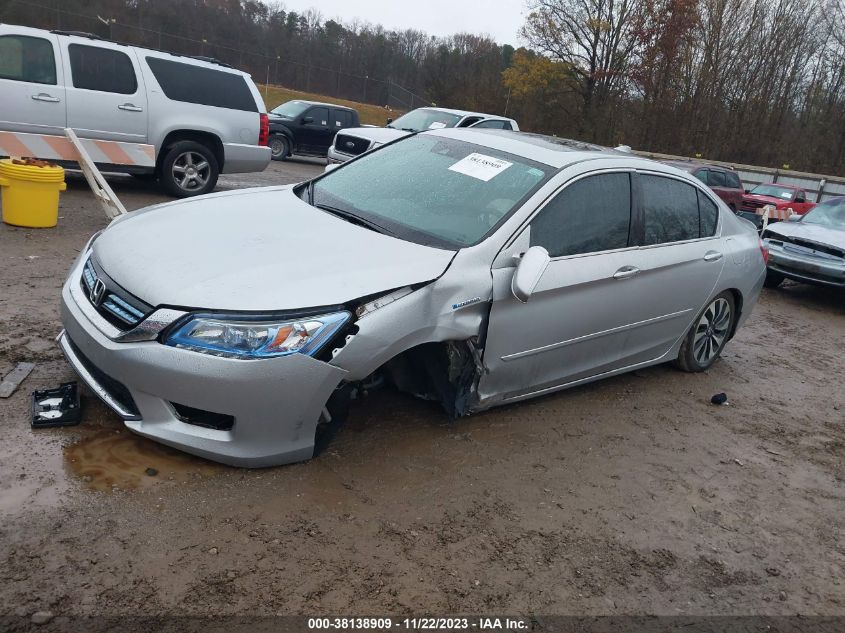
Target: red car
x=724, y=181
x=779, y=196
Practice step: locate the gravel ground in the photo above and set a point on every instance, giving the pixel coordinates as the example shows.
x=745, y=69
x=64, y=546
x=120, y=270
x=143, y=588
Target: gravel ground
x=634, y=495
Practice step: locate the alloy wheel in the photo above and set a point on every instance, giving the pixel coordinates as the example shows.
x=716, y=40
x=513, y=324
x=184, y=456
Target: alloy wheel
x=711, y=331
x=191, y=171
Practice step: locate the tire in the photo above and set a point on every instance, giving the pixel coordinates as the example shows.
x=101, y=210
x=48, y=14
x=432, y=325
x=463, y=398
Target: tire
x=708, y=335
x=279, y=147
x=773, y=279
x=189, y=169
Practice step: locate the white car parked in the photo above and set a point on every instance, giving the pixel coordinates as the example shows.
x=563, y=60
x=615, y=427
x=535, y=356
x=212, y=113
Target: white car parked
x=203, y=117
x=355, y=141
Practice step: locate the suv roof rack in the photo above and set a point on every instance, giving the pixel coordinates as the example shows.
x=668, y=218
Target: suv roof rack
x=203, y=58
x=85, y=34
x=92, y=36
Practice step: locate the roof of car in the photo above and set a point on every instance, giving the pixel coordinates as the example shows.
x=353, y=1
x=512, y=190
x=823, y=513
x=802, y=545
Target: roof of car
x=691, y=165
x=320, y=103
x=464, y=113
x=550, y=150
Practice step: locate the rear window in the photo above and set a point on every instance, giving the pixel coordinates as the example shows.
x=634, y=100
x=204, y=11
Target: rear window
x=102, y=69
x=716, y=178
x=203, y=86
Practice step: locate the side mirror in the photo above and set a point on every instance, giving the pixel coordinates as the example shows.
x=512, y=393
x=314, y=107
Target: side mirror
x=748, y=191
x=389, y=120
x=528, y=272
x=308, y=119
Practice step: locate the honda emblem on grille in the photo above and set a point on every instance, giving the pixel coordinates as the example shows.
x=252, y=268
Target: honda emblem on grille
x=97, y=292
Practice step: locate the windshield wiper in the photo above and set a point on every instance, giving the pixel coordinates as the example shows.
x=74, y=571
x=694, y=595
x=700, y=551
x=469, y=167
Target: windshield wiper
x=355, y=219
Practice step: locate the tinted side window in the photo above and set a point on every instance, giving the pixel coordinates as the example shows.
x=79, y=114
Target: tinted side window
x=701, y=174
x=708, y=214
x=320, y=116
x=495, y=124
x=733, y=180
x=29, y=59
x=671, y=210
x=203, y=86
x=341, y=118
x=102, y=69
x=592, y=214
x=717, y=178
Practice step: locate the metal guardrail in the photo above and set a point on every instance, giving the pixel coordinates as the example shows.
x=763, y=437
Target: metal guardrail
x=820, y=186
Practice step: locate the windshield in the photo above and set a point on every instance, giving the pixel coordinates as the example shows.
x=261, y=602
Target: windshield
x=424, y=119
x=830, y=214
x=773, y=191
x=430, y=190
x=290, y=109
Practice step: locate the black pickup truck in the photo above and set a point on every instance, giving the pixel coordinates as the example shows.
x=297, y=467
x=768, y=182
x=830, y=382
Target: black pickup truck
x=307, y=127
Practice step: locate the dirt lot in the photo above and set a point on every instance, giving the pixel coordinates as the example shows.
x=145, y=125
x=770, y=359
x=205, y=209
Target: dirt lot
x=634, y=495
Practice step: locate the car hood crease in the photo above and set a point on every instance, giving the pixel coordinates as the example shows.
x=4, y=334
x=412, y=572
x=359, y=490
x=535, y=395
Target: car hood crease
x=262, y=250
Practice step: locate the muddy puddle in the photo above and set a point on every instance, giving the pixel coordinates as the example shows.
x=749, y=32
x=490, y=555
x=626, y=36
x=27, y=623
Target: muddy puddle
x=112, y=459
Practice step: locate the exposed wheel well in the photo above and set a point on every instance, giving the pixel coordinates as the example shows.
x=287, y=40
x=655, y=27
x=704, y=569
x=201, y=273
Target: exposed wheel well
x=208, y=139
x=737, y=295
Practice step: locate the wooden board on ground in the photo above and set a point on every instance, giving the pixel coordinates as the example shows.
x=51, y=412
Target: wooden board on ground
x=15, y=378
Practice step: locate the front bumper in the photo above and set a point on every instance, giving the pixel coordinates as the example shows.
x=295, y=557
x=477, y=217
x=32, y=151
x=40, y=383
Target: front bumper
x=276, y=403
x=801, y=264
x=335, y=157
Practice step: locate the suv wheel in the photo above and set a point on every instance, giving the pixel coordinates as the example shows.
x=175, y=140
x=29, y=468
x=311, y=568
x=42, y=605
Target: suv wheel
x=189, y=169
x=279, y=147
x=708, y=335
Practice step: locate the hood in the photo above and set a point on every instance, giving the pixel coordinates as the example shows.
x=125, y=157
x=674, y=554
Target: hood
x=811, y=232
x=377, y=134
x=768, y=199
x=256, y=250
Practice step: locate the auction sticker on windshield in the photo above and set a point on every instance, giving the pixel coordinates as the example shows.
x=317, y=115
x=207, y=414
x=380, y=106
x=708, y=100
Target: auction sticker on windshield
x=480, y=166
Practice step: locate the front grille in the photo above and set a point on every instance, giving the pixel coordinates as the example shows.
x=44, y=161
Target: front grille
x=206, y=419
x=352, y=145
x=116, y=305
x=118, y=392
x=819, y=248
x=753, y=204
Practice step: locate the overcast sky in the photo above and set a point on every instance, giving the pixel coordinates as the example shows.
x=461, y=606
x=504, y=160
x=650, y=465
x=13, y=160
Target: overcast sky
x=500, y=18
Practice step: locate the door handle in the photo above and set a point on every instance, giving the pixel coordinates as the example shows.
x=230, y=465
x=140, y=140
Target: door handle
x=130, y=107
x=712, y=256
x=43, y=96
x=626, y=272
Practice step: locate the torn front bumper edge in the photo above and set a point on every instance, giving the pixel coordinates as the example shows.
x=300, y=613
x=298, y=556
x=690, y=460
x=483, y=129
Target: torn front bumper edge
x=276, y=402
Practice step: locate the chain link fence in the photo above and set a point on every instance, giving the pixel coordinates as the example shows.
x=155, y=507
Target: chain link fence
x=264, y=68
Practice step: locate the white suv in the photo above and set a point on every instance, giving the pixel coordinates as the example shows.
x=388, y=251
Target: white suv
x=203, y=117
x=351, y=142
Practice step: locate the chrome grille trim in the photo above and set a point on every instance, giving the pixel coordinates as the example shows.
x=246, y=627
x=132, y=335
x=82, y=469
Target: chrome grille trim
x=146, y=330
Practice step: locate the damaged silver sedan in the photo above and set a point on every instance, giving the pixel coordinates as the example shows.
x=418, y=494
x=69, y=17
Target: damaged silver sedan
x=475, y=267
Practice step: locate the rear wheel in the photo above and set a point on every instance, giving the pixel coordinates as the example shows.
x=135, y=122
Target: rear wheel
x=189, y=169
x=708, y=335
x=279, y=148
x=773, y=279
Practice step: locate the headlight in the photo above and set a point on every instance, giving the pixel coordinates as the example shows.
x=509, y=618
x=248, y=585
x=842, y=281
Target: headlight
x=239, y=336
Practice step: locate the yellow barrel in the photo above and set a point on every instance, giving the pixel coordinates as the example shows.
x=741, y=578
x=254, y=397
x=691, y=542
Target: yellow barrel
x=30, y=194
